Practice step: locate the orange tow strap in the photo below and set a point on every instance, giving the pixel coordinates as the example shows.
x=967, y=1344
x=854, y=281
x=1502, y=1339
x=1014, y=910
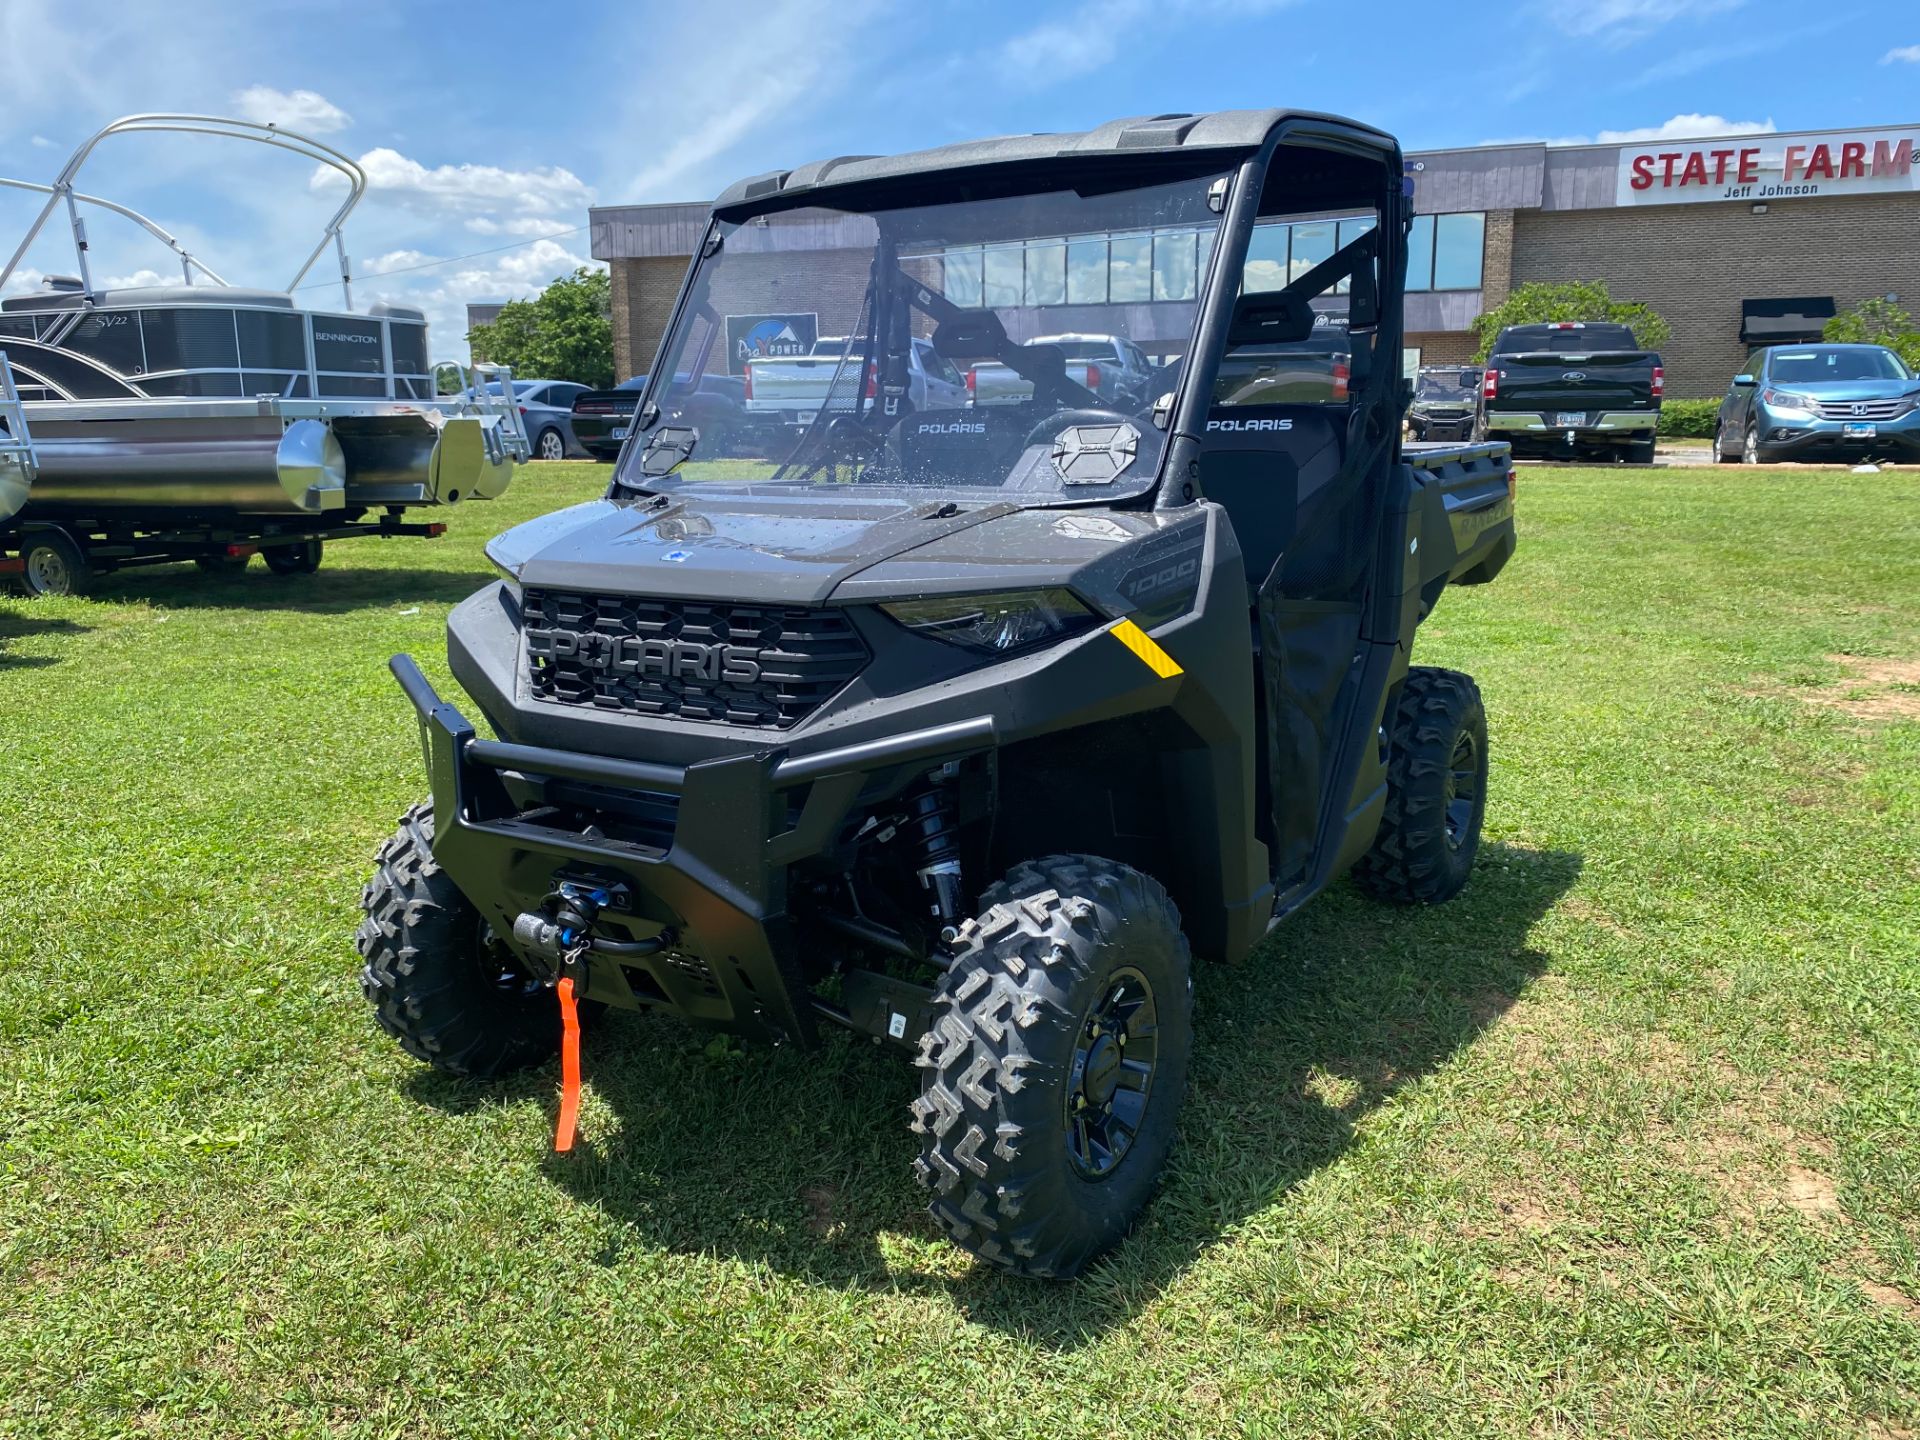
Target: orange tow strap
x=569, y=1068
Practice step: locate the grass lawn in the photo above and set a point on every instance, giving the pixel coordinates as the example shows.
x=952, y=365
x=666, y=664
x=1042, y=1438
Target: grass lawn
x=1626, y=1141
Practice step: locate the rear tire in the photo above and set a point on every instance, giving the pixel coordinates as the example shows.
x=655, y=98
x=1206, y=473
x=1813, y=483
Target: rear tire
x=1641, y=452
x=1436, y=791
x=437, y=981
x=1041, y=1135
x=551, y=445
x=53, y=565
x=299, y=558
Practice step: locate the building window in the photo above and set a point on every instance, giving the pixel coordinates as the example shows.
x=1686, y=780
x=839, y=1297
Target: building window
x=1087, y=272
x=1130, y=269
x=961, y=283
x=1173, y=272
x=1006, y=277
x=1047, y=273
x=1420, y=254
x=1458, y=243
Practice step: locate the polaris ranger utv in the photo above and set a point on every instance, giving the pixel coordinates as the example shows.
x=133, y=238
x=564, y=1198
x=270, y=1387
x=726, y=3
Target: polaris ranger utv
x=963, y=728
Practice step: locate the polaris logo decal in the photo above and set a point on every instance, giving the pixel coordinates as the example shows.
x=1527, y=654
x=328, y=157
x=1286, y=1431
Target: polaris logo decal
x=951, y=427
x=649, y=659
x=1265, y=425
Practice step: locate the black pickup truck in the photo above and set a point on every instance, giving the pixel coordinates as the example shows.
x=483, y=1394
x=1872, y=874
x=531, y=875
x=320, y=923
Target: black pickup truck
x=1572, y=388
x=601, y=417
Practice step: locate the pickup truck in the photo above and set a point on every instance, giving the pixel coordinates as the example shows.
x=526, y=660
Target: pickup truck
x=601, y=417
x=794, y=390
x=1572, y=388
x=1111, y=366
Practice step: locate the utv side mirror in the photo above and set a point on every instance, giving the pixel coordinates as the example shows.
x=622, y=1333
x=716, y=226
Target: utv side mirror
x=1745, y=381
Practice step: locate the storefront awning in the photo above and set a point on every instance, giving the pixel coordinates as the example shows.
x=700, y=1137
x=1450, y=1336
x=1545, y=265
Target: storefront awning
x=1786, y=321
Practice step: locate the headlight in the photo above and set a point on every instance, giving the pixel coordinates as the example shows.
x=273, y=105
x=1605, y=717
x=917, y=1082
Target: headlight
x=997, y=624
x=1787, y=400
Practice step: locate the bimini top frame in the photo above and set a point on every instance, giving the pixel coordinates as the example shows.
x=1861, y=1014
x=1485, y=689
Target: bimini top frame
x=63, y=190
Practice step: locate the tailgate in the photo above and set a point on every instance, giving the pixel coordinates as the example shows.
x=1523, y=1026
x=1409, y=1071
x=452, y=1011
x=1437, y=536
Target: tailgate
x=606, y=402
x=1546, y=380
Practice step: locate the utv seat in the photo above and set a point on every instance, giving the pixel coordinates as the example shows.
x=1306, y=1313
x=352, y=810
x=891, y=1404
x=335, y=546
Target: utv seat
x=1265, y=480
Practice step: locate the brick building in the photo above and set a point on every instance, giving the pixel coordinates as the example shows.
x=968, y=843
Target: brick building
x=1736, y=241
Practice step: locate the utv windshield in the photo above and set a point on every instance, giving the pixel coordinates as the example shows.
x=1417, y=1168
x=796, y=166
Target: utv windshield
x=1447, y=385
x=949, y=346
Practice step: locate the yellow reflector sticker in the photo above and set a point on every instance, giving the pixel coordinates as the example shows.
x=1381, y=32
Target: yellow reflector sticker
x=1141, y=643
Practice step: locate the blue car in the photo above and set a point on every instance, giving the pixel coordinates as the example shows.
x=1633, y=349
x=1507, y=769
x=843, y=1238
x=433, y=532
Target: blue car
x=1820, y=402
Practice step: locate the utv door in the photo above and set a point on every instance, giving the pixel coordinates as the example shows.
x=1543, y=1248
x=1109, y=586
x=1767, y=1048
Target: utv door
x=1276, y=456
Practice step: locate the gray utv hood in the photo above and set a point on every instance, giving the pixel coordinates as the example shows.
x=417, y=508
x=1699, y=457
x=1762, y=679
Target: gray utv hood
x=800, y=550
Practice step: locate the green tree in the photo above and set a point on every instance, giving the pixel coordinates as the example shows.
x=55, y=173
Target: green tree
x=1877, y=322
x=563, y=333
x=1538, y=301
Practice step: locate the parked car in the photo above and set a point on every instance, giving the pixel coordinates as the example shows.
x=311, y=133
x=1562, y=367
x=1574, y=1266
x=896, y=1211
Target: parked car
x=1820, y=402
x=601, y=417
x=1111, y=366
x=1572, y=388
x=546, y=411
x=794, y=389
x=1444, y=400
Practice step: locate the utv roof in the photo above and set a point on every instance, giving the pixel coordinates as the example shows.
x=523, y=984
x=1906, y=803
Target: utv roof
x=1223, y=130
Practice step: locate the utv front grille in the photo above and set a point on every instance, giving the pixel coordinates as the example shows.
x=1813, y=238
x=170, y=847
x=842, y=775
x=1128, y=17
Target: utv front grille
x=725, y=663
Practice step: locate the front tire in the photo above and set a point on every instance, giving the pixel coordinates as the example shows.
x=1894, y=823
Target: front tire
x=437, y=980
x=551, y=445
x=1750, y=448
x=1055, y=1064
x=300, y=558
x=1436, y=791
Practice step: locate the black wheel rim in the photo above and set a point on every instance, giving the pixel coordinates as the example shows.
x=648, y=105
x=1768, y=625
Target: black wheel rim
x=1110, y=1078
x=501, y=968
x=1463, y=788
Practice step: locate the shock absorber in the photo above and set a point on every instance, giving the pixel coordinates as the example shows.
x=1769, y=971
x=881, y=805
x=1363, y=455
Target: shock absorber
x=933, y=824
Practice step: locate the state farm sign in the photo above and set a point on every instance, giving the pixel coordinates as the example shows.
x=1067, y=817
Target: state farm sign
x=1772, y=167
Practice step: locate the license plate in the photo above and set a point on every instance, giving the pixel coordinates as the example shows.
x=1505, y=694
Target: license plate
x=1564, y=418
x=619, y=432
x=1860, y=432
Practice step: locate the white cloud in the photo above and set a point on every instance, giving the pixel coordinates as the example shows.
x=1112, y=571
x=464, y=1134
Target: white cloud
x=1680, y=127
x=443, y=293
x=395, y=179
x=305, y=112
x=527, y=225
x=41, y=142
x=1687, y=127
x=395, y=260
x=1092, y=36
x=1617, y=23
x=1904, y=54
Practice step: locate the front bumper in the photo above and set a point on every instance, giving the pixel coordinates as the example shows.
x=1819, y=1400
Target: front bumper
x=714, y=874
x=1801, y=437
x=1452, y=426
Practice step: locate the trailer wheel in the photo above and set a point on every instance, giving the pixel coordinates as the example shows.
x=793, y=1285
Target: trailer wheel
x=1055, y=1064
x=1436, y=791
x=438, y=981
x=300, y=558
x=52, y=564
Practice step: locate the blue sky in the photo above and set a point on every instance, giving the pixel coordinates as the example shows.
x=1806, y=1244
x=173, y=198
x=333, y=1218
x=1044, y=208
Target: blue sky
x=492, y=127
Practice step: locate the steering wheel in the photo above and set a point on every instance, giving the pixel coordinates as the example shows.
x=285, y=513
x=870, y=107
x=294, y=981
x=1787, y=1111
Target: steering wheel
x=1047, y=429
